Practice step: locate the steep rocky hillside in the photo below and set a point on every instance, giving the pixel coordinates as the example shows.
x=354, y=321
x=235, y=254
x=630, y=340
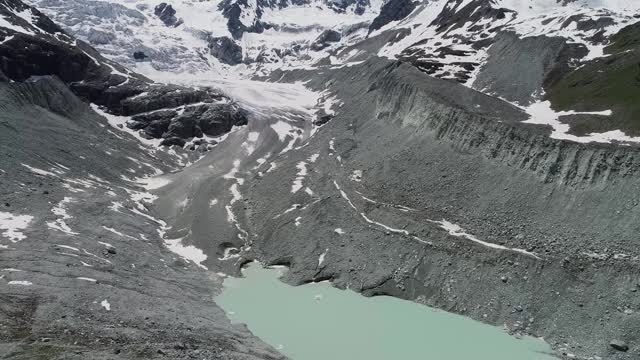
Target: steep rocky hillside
x=478, y=156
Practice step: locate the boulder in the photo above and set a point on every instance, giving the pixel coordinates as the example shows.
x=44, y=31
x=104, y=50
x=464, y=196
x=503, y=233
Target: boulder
x=167, y=14
x=183, y=127
x=171, y=141
x=322, y=119
x=157, y=128
x=139, y=56
x=619, y=345
x=219, y=119
x=324, y=40
x=226, y=50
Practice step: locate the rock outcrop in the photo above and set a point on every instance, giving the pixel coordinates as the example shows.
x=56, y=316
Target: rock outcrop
x=167, y=14
x=325, y=39
x=47, y=50
x=226, y=50
x=392, y=11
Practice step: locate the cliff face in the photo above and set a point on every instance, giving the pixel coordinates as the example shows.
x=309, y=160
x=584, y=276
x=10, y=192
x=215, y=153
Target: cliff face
x=433, y=192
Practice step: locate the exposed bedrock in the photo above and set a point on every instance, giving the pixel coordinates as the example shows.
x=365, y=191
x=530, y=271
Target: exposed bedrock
x=50, y=52
x=435, y=193
x=167, y=14
x=392, y=11
x=226, y=50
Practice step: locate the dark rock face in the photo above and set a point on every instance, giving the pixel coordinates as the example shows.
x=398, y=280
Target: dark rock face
x=341, y=6
x=40, y=22
x=167, y=14
x=452, y=17
x=233, y=10
x=212, y=119
x=392, y=11
x=173, y=141
x=27, y=56
x=619, y=345
x=322, y=119
x=140, y=55
x=325, y=38
x=226, y=50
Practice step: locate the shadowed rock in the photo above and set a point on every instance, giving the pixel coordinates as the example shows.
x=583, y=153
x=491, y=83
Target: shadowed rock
x=167, y=14
x=324, y=40
x=392, y=11
x=226, y=50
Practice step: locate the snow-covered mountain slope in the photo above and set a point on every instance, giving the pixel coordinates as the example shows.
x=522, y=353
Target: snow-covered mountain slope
x=521, y=51
x=468, y=41
x=446, y=38
x=278, y=33
x=450, y=38
x=161, y=114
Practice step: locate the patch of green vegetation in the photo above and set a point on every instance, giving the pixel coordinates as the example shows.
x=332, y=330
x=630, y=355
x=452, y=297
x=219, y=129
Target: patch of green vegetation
x=611, y=83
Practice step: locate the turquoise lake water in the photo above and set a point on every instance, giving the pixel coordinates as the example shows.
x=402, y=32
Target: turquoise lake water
x=319, y=322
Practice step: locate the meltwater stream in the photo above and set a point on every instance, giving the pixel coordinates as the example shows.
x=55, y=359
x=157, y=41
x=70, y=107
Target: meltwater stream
x=318, y=321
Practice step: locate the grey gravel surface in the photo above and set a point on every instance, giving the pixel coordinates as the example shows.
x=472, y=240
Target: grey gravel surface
x=103, y=283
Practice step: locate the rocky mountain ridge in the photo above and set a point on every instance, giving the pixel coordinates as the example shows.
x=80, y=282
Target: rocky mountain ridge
x=458, y=40
x=172, y=114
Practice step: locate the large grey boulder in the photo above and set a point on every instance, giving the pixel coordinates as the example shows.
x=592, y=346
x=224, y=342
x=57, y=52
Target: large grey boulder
x=619, y=345
x=167, y=14
x=226, y=50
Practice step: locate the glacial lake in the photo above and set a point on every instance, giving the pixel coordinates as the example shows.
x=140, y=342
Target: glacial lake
x=320, y=322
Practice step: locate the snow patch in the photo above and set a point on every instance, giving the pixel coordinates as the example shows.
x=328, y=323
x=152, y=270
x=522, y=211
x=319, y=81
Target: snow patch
x=322, y=257
x=20, y=282
x=188, y=252
x=457, y=231
x=541, y=113
x=13, y=224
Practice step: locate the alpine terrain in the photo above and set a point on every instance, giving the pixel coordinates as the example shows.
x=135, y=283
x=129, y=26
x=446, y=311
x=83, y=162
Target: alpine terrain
x=477, y=156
